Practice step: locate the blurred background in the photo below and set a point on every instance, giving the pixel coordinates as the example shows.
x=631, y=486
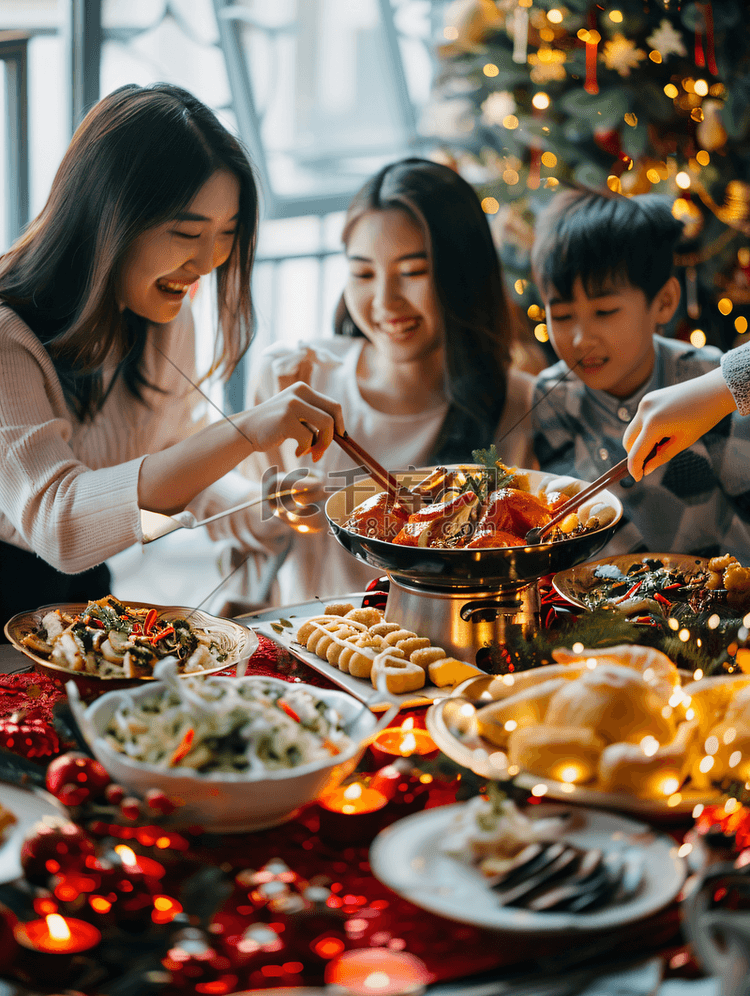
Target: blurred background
x=520, y=96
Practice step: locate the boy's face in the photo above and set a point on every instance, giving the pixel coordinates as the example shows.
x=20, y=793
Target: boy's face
x=607, y=340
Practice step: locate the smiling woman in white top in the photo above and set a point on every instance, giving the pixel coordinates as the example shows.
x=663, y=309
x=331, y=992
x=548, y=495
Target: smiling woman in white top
x=420, y=361
x=97, y=379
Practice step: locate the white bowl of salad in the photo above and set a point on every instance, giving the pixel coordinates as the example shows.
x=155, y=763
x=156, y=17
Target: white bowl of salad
x=234, y=754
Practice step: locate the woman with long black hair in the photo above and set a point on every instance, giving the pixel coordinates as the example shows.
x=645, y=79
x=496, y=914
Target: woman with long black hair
x=420, y=360
x=98, y=387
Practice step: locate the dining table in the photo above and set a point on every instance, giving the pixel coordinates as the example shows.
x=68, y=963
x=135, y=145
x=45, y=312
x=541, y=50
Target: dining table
x=316, y=903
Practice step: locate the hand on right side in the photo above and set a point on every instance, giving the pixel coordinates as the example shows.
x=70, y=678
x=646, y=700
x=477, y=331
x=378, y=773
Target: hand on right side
x=675, y=417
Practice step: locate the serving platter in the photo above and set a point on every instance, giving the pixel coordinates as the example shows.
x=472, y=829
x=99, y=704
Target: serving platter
x=238, y=642
x=360, y=688
x=408, y=858
x=577, y=582
x=450, y=724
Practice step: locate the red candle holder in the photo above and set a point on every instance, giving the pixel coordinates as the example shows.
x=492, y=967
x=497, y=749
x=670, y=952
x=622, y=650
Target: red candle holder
x=351, y=813
x=402, y=741
x=377, y=972
x=47, y=947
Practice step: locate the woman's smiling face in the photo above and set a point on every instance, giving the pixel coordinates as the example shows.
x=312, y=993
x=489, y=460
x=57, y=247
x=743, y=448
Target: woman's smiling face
x=165, y=260
x=390, y=293
x=608, y=339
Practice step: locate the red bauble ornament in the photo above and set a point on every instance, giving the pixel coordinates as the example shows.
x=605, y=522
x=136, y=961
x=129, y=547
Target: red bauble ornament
x=608, y=140
x=74, y=777
x=52, y=845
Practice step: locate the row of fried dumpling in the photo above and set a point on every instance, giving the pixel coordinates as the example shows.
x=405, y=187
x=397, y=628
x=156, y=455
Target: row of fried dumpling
x=362, y=643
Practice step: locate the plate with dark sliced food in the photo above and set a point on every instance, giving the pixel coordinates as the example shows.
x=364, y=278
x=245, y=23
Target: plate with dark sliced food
x=539, y=870
x=648, y=584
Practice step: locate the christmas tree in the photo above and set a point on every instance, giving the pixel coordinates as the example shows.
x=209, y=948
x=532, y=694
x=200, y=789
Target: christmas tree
x=639, y=97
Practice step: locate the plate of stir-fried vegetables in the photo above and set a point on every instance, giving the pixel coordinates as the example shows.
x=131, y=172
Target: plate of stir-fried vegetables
x=111, y=641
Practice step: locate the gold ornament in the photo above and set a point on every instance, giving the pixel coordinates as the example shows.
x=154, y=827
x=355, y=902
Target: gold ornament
x=710, y=132
x=690, y=215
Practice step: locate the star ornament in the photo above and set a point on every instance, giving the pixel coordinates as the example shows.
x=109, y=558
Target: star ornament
x=621, y=54
x=667, y=40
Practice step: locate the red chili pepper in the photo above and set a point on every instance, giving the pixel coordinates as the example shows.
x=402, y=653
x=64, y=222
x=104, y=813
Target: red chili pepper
x=96, y=623
x=167, y=631
x=630, y=592
x=288, y=710
x=148, y=623
x=669, y=587
x=183, y=748
x=136, y=630
x=662, y=600
x=331, y=747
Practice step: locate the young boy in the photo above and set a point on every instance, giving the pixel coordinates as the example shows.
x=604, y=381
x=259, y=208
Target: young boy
x=603, y=265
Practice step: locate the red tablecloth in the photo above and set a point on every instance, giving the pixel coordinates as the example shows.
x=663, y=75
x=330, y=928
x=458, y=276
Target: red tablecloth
x=358, y=912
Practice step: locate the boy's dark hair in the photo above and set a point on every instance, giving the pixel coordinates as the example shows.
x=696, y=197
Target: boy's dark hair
x=603, y=238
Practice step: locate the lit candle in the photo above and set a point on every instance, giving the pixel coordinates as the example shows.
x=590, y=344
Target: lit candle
x=57, y=934
x=138, y=863
x=377, y=972
x=351, y=812
x=401, y=741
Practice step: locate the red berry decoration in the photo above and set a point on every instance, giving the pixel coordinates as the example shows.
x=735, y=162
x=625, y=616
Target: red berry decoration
x=72, y=795
x=130, y=807
x=158, y=800
x=114, y=793
x=52, y=845
x=79, y=770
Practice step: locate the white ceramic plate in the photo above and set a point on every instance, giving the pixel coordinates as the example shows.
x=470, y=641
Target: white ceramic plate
x=407, y=857
x=487, y=761
x=27, y=806
x=360, y=688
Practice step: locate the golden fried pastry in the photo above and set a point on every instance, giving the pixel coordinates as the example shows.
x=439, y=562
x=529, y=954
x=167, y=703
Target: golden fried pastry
x=310, y=626
x=427, y=656
x=323, y=636
x=338, y=608
x=411, y=644
x=709, y=698
x=614, y=701
x=564, y=753
x=657, y=669
x=625, y=767
x=338, y=643
x=384, y=628
x=392, y=638
x=399, y=673
x=366, y=648
x=526, y=707
x=368, y=616
x=449, y=671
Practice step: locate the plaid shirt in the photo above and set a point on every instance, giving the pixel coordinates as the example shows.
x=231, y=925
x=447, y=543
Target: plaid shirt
x=698, y=502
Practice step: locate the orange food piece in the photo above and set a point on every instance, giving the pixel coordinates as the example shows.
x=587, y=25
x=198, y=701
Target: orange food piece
x=494, y=538
x=379, y=516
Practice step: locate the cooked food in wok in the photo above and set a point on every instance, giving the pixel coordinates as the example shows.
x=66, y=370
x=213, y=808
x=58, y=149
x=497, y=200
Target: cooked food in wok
x=472, y=507
x=109, y=639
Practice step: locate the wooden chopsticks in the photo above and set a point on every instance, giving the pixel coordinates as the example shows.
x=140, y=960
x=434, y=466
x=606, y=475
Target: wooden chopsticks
x=378, y=473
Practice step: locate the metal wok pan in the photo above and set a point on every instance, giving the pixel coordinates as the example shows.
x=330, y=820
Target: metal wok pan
x=484, y=567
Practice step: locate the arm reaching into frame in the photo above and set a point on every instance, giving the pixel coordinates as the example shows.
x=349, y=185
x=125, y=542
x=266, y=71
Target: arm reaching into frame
x=171, y=478
x=673, y=418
